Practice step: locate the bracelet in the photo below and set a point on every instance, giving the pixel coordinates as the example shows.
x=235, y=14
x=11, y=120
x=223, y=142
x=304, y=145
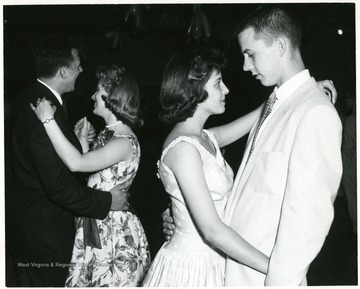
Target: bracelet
x=47, y=120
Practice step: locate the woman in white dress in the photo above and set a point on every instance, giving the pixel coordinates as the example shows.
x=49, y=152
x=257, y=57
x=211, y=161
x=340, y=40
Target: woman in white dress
x=196, y=176
x=111, y=252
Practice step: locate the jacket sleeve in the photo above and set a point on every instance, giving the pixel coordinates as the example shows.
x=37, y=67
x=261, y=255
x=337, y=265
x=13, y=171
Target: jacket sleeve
x=60, y=185
x=314, y=174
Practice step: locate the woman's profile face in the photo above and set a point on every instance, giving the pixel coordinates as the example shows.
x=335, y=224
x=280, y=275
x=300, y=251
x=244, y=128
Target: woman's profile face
x=99, y=104
x=216, y=89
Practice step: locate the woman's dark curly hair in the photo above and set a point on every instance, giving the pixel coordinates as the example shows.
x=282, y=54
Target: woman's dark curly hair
x=123, y=98
x=183, y=82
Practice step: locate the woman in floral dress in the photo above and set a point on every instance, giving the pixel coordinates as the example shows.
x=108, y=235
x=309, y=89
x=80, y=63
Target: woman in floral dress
x=114, y=251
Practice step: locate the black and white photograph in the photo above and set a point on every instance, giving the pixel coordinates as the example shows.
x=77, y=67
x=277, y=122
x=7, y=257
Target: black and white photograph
x=180, y=144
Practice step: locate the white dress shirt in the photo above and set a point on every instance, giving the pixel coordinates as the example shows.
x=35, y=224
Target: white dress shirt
x=57, y=95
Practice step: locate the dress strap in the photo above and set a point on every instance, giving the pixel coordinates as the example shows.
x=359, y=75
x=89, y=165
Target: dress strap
x=126, y=135
x=212, y=137
x=133, y=139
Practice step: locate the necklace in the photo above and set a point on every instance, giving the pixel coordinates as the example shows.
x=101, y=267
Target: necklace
x=113, y=124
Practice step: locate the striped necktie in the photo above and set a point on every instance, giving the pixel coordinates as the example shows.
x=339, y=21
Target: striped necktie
x=265, y=112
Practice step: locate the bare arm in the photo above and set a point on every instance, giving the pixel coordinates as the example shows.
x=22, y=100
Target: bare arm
x=116, y=150
x=228, y=133
x=186, y=164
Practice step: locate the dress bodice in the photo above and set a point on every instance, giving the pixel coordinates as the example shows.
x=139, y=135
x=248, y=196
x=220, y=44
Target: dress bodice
x=120, y=173
x=218, y=175
x=187, y=260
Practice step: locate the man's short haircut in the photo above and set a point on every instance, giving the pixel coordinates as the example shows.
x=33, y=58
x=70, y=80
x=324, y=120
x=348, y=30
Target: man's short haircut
x=52, y=52
x=272, y=22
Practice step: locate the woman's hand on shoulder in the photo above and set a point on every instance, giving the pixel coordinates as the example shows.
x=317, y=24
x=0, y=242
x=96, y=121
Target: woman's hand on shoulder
x=329, y=88
x=43, y=109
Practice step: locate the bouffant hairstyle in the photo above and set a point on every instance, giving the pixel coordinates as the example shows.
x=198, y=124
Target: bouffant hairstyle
x=123, y=98
x=184, y=78
x=271, y=22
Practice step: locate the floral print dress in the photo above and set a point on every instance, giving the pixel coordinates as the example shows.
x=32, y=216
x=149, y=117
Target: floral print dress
x=124, y=256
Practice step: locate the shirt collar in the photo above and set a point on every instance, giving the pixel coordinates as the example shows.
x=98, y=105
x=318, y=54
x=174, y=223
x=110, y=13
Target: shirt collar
x=292, y=84
x=57, y=95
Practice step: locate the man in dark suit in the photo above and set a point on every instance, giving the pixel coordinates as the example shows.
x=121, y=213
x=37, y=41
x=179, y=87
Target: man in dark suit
x=43, y=196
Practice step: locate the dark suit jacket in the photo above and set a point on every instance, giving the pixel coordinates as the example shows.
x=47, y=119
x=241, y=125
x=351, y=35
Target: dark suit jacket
x=44, y=195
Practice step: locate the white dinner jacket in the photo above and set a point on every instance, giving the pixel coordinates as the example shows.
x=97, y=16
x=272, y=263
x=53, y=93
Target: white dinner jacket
x=282, y=199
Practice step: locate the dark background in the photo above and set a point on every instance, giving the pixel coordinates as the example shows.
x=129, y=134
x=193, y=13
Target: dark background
x=142, y=38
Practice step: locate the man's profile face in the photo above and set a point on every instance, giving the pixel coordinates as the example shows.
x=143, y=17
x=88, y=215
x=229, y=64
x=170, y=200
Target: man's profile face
x=260, y=58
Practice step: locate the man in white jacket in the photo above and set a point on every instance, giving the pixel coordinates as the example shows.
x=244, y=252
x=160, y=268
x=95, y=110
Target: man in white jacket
x=282, y=199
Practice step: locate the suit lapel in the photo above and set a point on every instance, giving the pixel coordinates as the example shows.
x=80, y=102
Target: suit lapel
x=267, y=133
x=61, y=117
x=246, y=167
